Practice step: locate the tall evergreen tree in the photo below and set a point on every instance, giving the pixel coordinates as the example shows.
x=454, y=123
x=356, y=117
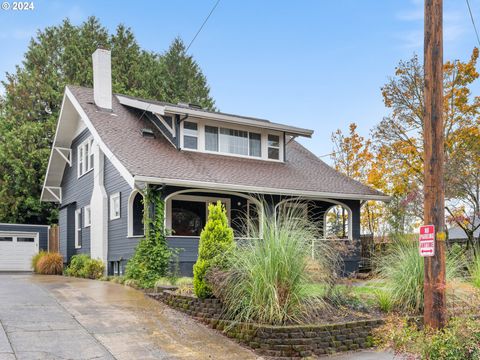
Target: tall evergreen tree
x=61, y=55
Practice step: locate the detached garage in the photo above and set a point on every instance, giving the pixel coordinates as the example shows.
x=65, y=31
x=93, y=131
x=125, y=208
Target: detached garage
x=18, y=243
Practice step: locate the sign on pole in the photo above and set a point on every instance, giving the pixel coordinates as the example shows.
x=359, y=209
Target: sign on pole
x=427, y=240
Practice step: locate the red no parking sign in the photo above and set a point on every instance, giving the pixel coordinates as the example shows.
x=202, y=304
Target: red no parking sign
x=427, y=240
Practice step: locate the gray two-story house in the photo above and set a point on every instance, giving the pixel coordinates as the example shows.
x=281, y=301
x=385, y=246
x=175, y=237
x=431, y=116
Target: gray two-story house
x=108, y=147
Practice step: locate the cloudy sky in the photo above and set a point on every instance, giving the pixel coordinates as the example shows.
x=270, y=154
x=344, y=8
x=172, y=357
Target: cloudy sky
x=317, y=64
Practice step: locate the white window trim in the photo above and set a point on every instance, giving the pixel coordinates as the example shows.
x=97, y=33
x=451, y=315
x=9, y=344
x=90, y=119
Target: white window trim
x=113, y=197
x=78, y=227
x=206, y=199
x=275, y=147
x=130, y=216
x=191, y=133
x=87, y=220
x=201, y=123
x=85, y=165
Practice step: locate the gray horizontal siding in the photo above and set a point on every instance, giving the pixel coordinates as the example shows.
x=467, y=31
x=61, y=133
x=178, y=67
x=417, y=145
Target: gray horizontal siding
x=187, y=247
x=77, y=191
x=119, y=245
x=42, y=231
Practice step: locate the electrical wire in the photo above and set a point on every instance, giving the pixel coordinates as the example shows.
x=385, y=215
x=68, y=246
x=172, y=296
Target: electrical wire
x=473, y=21
x=201, y=27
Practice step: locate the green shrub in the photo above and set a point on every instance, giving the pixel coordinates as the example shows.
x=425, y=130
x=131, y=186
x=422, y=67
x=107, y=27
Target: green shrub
x=216, y=242
x=35, y=259
x=50, y=264
x=152, y=254
x=84, y=267
x=268, y=277
x=402, y=268
x=459, y=340
x=474, y=271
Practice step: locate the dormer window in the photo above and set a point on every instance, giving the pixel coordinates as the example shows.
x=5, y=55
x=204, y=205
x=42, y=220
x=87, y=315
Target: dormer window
x=190, y=135
x=226, y=139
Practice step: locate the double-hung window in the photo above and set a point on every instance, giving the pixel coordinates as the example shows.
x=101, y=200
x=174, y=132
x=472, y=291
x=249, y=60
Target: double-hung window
x=78, y=228
x=190, y=135
x=273, y=147
x=211, y=138
x=115, y=206
x=87, y=216
x=85, y=157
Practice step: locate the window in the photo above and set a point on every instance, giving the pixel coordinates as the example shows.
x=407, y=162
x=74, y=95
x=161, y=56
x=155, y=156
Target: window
x=190, y=135
x=85, y=157
x=273, y=147
x=115, y=206
x=137, y=215
x=87, y=216
x=25, y=239
x=255, y=143
x=211, y=138
x=233, y=141
x=188, y=217
x=78, y=228
x=187, y=214
x=294, y=209
x=90, y=155
x=6, y=238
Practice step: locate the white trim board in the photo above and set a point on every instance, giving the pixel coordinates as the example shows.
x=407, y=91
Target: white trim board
x=257, y=189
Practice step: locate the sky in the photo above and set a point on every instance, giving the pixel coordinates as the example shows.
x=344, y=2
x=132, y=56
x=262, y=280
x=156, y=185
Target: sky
x=315, y=64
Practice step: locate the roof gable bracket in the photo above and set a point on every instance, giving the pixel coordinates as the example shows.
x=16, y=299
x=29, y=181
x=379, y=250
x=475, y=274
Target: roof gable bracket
x=65, y=153
x=55, y=191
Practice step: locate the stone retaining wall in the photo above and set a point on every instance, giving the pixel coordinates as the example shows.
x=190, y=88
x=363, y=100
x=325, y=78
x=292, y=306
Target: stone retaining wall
x=294, y=341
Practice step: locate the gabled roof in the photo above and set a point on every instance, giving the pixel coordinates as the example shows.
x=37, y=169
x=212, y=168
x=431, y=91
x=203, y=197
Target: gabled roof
x=157, y=161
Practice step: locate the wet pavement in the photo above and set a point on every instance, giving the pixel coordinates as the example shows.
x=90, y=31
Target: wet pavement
x=54, y=317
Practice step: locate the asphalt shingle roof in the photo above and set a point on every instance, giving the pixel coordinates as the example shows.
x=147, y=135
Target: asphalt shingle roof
x=121, y=133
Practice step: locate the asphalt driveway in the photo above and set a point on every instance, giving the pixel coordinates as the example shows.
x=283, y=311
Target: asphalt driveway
x=54, y=317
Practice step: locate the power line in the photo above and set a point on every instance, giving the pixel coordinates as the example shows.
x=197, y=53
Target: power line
x=473, y=21
x=201, y=27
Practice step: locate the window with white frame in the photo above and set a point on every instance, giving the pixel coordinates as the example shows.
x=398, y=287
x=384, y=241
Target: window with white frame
x=190, y=135
x=78, y=228
x=187, y=214
x=87, y=216
x=85, y=157
x=115, y=206
x=232, y=141
x=273, y=147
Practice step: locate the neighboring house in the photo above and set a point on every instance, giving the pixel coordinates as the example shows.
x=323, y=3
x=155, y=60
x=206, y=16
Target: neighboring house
x=108, y=148
x=456, y=233
x=18, y=244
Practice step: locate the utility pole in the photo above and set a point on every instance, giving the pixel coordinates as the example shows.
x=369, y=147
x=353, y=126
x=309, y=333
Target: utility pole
x=435, y=309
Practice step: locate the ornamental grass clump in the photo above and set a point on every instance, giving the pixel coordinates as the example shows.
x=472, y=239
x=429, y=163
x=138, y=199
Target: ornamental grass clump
x=268, y=275
x=402, y=268
x=216, y=243
x=49, y=264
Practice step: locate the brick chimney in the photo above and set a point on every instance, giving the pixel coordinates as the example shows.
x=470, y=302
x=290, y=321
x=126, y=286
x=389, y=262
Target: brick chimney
x=102, y=78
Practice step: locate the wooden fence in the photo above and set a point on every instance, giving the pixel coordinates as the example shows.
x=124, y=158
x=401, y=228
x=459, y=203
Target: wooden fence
x=54, y=239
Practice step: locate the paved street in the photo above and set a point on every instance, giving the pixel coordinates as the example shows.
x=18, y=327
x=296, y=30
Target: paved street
x=66, y=318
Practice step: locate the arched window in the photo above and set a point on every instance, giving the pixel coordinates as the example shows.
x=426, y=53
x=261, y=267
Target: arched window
x=135, y=214
x=337, y=222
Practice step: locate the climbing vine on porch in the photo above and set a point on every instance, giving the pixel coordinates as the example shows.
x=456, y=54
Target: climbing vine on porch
x=152, y=254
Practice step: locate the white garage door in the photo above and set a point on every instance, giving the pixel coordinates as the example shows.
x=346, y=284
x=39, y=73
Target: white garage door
x=16, y=250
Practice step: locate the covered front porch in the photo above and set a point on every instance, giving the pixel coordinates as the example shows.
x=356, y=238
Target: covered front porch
x=186, y=212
